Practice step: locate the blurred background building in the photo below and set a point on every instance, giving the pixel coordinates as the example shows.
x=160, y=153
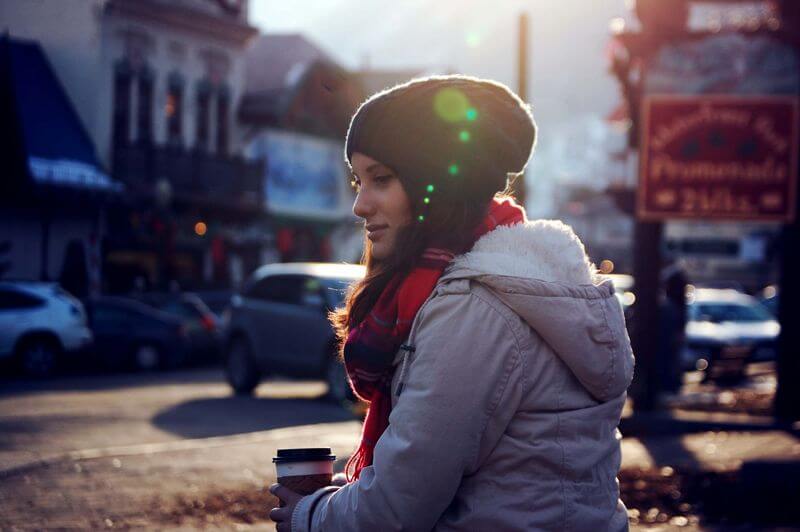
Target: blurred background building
x=207, y=149
x=155, y=86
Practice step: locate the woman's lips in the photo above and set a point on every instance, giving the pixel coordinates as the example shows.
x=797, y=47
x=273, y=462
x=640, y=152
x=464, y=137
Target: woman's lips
x=376, y=231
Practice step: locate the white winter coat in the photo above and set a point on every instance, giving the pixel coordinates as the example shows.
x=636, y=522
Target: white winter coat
x=505, y=412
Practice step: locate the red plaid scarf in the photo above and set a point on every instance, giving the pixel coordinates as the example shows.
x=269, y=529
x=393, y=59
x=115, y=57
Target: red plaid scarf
x=372, y=345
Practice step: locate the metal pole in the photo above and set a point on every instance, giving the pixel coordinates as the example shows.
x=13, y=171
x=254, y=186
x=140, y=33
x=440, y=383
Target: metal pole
x=787, y=395
x=645, y=326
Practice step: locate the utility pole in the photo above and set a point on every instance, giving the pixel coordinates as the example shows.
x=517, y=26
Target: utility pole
x=787, y=394
x=522, y=89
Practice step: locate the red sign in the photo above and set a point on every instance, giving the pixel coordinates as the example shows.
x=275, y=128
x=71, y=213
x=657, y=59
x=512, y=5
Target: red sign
x=721, y=157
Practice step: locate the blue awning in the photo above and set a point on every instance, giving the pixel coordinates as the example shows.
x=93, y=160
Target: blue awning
x=58, y=150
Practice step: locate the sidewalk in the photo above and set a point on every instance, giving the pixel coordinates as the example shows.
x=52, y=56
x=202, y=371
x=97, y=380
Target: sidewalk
x=710, y=470
x=218, y=483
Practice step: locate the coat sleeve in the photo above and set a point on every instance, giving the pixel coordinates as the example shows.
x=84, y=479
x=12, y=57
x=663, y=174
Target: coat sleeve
x=465, y=363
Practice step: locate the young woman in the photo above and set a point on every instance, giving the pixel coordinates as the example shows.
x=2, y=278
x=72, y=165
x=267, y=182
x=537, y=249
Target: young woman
x=495, y=362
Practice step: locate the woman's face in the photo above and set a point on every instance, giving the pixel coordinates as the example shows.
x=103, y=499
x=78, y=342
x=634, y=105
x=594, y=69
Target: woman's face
x=381, y=202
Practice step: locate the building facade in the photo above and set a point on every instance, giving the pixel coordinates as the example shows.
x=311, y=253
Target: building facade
x=156, y=84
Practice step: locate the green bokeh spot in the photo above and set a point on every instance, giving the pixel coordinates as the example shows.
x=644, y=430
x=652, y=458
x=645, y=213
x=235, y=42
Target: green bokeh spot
x=430, y=188
x=453, y=169
x=421, y=218
x=450, y=104
x=427, y=200
x=472, y=114
x=464, y=135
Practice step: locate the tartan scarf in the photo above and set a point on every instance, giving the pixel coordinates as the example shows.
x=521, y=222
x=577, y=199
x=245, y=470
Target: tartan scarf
x=371, y=346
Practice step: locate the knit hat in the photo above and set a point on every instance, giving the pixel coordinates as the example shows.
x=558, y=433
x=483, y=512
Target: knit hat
x=445, y=136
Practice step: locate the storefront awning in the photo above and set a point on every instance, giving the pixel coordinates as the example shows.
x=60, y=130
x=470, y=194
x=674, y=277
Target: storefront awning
x=57, y=149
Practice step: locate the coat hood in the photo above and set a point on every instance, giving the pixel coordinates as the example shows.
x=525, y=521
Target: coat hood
x=541, y=271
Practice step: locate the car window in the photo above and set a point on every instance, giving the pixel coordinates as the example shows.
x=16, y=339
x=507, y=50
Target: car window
x=335, y=290
x=719, y=312
x=184, y=309
x=15, y=300
x=280, y=289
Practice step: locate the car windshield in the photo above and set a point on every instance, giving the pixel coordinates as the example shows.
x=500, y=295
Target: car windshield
x=719, y=312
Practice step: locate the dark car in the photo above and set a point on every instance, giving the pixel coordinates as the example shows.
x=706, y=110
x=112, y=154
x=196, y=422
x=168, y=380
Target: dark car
x=726, y=330
x=129, y=333
x=203, y=330
x=279, y=325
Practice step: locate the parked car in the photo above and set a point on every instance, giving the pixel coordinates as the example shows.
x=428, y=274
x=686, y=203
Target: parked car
x=279, y=325
x=129, y=333
x=40, y=323
x=203, y=329
x=216, y=300
x=726, y=330
x=623, y=290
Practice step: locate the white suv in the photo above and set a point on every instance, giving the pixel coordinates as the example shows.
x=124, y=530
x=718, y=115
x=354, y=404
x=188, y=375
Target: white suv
x=38, y=323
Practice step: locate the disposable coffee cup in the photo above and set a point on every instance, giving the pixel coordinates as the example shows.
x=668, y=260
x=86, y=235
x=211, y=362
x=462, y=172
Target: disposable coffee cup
x=304, y=471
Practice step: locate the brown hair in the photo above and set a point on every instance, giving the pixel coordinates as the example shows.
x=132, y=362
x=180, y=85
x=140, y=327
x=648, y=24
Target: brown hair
x=451, y=225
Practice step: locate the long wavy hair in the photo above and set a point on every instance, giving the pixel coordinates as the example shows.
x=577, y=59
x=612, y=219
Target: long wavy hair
x=451, y=225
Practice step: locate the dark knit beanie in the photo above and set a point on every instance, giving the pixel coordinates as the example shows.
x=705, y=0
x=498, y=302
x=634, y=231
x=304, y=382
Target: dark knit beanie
x=446, y=137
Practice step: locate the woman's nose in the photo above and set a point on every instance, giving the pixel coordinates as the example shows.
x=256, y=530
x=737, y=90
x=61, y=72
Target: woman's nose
x=362, y=206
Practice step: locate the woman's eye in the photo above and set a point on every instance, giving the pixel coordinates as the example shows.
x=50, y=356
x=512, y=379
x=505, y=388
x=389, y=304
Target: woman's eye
x=382, y=179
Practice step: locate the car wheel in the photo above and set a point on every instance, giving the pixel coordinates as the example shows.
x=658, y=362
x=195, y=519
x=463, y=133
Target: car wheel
x=240, y=368
x=147, y=357
x=39, y=357
x=339, y=390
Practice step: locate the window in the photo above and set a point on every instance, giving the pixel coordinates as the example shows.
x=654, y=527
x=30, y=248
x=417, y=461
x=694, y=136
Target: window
x=722, y=312
x=203, y=115
x=173, y=110
x=122, y=107
x=335, y=291
x=144, y=109
x=222, y=123
x=279, y=289
x=15, y=300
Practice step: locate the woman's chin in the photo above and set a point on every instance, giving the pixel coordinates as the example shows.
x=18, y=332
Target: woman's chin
x=379, y=254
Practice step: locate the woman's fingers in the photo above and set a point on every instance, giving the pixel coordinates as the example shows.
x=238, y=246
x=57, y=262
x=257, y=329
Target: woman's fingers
x=285, y=494
x=280, y=514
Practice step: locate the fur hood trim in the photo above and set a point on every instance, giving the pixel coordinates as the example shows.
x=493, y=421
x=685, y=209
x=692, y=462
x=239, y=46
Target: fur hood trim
x=546, y=250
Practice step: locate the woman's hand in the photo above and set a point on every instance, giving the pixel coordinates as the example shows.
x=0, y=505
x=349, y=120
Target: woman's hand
x=283, y=516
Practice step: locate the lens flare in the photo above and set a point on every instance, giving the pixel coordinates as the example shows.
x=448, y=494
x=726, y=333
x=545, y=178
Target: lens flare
x=473, y=39
x=200, y=228
x=450, y=104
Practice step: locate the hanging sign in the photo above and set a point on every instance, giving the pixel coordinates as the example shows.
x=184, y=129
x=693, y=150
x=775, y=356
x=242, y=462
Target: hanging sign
x=718, y=157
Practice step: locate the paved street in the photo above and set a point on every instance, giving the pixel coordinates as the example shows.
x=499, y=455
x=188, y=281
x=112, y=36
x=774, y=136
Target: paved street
x=82, y=415
x=126, y=450
x=178, y=451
